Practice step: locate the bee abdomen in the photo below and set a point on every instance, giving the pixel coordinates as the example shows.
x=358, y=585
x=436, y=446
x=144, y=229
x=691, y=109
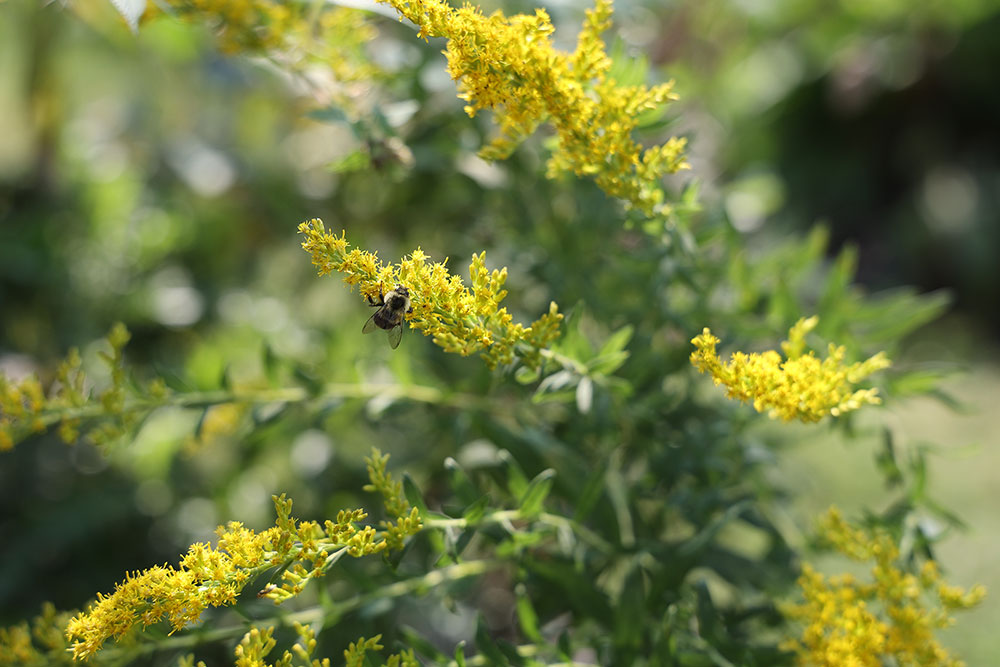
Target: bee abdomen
x=384, y=319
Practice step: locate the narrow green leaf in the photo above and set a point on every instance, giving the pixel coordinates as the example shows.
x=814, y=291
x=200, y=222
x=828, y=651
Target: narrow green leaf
x=606, y=364
x=487, y=647
x=538, y=490
x=630, y=618
x=526, y=375
x=271, y=364
x=886, y=461
x=413, y=495
x=526, y=615
x=617, y=341
x=461, y=485
x=704, y=537
x=517, y=481
x=474, y=512
x=418, y=643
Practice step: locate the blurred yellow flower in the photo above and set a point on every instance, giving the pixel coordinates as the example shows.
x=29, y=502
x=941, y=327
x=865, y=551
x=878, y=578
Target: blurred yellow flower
x=460, y=319
x=322, y=33
x=800, y=386
x=886, y=621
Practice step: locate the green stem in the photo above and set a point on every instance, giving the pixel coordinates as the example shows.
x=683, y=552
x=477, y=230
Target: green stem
x=507, y=516
x=416, y=393
x=563, y=360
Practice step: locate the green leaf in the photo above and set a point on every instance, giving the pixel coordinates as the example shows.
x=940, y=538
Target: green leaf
x=475, y=512
x=705, y=612
x=617, y=341
x=526, y=375
x=627, y=69
x=886, y=461
x=704, y=537
x=526, y=615
x=461, y=485
x=606, y=364
x=271, y=365
x=574, y=343
x=413, y=495
x=838, y=282
x=565, y=647
x=918, y=483
x=890, y=315
x=517, y=481
x=487, y=647
x=538, y=490
x=418, y=643
x=630, y=616
x=354, y=161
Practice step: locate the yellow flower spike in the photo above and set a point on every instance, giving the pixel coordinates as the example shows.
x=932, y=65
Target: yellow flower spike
x=214, y=577
x=887, y=621
x=460, y=319
x=801, y=386
x=509, y=66
x=298, y=32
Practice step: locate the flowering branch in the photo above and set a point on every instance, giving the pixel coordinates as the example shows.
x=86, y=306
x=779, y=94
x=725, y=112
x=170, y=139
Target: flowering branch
x=460, y=319
x=887, y=621
x=508, y=65
x=207, y=576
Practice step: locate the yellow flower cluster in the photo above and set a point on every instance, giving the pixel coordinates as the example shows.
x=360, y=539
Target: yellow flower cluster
x=508, y=65
x=214, y=577
x=25, y=409
x=41, y=643
x=887, y=621
x=460, y=319
x=800, y=386
x=324, y=33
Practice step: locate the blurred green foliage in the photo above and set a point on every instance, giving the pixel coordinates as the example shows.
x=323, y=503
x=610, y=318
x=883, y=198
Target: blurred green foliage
x=152, y=181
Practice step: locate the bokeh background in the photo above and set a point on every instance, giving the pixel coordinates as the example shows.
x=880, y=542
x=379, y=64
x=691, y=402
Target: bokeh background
x=149, y=179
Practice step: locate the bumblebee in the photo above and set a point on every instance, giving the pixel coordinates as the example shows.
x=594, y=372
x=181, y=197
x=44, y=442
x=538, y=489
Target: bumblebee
x=389, y=316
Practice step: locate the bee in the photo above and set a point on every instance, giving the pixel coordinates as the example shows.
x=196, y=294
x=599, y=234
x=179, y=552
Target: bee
x=389, y=316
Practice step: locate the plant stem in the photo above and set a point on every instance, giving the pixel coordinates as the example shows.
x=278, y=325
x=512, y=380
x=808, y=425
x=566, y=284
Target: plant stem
x=416, y=393
x=506, y=516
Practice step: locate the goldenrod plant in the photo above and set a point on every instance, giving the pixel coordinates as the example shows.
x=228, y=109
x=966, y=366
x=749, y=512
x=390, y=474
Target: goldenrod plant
x=552, y=484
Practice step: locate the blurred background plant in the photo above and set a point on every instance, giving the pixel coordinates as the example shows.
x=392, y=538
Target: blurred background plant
x=153, y=180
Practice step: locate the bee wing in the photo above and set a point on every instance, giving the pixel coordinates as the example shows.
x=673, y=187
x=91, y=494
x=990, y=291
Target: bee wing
x=395, y=335
x=370, y=325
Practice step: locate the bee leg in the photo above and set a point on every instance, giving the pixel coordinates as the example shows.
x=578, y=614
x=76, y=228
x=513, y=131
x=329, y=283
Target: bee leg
x=381, y=299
